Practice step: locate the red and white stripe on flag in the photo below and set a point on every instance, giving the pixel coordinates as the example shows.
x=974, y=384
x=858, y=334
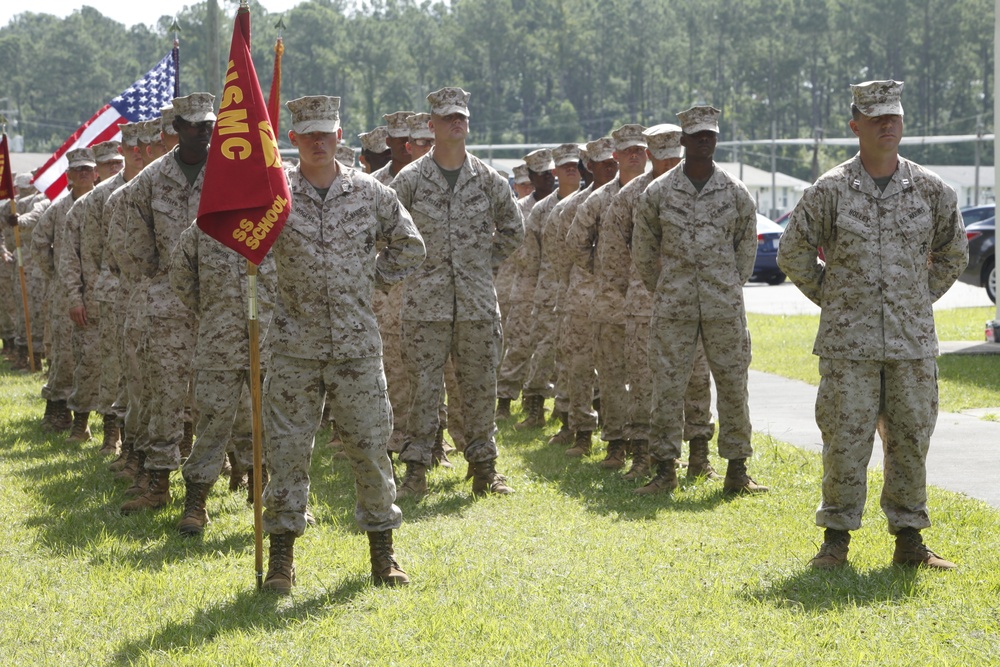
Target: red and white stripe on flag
x=140, y=101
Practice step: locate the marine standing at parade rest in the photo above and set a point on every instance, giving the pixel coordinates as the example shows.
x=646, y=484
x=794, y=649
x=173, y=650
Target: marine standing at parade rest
x=163, y=201
x=516, y=300
x=46, y=243
x=469, y=220
x=211, y=280
x=893, y=242
x=694, y=246
x=78, y=267
x=533, y=269
x=345, y=237
x=587, y=237
x=576, y=332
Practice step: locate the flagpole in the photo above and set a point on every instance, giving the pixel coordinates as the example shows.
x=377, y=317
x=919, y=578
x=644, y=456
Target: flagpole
x=253, y=327
x=20, y=260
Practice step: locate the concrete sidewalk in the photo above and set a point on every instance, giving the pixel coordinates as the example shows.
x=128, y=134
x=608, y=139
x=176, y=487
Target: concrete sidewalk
x=965, y=449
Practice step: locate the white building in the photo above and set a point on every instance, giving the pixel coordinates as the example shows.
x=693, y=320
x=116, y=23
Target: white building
x=963, y=179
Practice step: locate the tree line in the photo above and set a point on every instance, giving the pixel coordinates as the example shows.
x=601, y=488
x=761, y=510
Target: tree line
x=547, y=71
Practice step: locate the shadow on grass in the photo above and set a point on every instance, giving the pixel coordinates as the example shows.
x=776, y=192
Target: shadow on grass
x=814, y=590
x=250, y=611
x=76, y=505
x=332, y=484
x=605, y=491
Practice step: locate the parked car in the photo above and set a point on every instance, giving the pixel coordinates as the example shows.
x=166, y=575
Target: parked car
x=765, y=268
x=982, y=269
x=971, y=214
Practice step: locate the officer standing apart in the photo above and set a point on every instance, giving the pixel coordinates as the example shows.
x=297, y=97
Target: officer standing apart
x=893, y=243
x=694, y=245
x=325, y=342
x=467, y=215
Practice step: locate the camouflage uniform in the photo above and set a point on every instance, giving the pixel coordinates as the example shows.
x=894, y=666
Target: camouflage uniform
x=621, y=280
x=451, y=304
x=210, y=279
x=79, y=264
x=106, y=294
x=325, y=343
x=46, y=243
x=130, y=305
x=576, y=334
x=888, y=256
x=546, y=367
x=10, y=289
x=162, y=204
x=694, y=251
x=29, y=210
x=516, y=294
x=596, y=306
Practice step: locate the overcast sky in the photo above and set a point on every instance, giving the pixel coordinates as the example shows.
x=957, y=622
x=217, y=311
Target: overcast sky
x=129, y=12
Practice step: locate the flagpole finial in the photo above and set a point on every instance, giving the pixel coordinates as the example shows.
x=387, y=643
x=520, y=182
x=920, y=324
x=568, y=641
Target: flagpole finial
x=175, y=27
x=280, y=25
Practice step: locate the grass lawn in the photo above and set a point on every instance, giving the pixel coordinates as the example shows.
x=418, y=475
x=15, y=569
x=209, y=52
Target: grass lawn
x=572, y=570
x=782, y=344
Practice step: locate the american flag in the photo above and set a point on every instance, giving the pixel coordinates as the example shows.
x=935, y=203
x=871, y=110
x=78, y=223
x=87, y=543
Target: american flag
x=140, y=101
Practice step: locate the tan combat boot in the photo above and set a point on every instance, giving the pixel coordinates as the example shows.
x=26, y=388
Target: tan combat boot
x=112, y=435
x=414, y=482
x=140, y=476
x=280, y=575
x=582, y=445
x=124, y=454
x=195, y=516
x=615, y=458
x=47, y=417
x=911, y=552
x=385, y=569
x=698, y=463
x=157, y=493
x=503, y=408
x=738, y=481
x=61, y=419
x=80, y=431
x=664, y=481
x=833, y=552
x=565, y=435
x=486, y=479
x=535, y=407
x=640, y=460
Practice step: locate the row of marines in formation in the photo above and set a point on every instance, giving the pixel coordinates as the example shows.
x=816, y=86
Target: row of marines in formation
x=147, y=323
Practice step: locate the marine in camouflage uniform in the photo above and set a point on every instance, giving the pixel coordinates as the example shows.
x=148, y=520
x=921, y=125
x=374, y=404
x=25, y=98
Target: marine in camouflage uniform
x=535, y=279
x=163, y=201
x=397, y=134
x=346, y=235
x=577, y=334
x=694, y=245
x=78, y=268
x=893, y=243
x=618, y=276
x=111, y=394
x=211, y=280
x=588, y=238
x=29, y=206
x=523, y=194
x=47, y=241
x=519, y=295
x=470, y=223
